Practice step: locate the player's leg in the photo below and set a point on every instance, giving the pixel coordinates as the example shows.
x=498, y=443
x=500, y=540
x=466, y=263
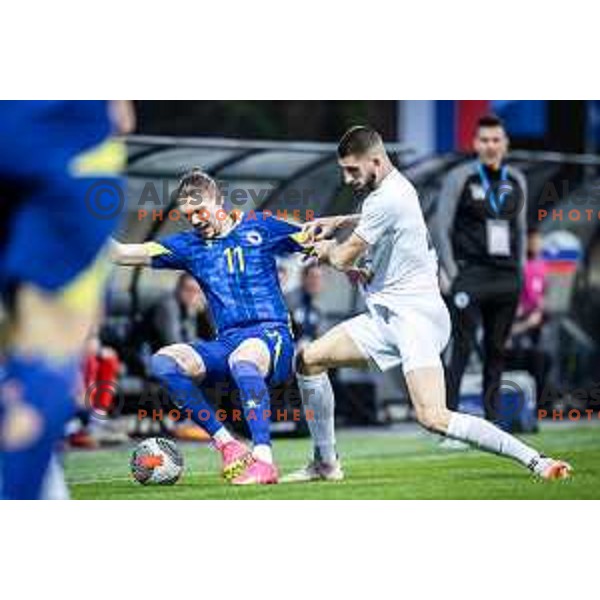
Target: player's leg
x=336, y=348
x=51, y=271
x=427, y=392
x=54, y=486
x=262, y=356
x=249, y=365
x=181, y=368
x=420, y=337
x=46, y=337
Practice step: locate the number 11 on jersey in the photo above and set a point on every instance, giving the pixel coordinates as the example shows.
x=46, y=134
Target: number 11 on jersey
x=235, y=255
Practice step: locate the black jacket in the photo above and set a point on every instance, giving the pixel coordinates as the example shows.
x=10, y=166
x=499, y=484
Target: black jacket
x=459, y=228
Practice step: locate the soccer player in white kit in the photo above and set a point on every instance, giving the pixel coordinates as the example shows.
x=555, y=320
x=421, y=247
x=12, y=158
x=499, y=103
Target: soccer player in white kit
x=406, y=322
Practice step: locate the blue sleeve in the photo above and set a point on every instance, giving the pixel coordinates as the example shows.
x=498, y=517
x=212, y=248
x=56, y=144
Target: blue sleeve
x=284, y=237
x=168, y=253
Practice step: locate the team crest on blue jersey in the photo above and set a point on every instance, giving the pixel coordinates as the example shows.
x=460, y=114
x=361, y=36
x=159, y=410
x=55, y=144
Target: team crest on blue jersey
x=254, y=238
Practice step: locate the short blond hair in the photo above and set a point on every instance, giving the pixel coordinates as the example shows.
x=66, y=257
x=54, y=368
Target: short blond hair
x=196, y=182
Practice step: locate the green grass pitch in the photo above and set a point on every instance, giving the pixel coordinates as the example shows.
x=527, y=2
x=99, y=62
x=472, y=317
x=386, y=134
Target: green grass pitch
x=379, y=465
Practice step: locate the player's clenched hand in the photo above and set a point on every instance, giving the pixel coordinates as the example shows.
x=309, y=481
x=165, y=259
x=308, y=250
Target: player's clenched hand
x=320, y=229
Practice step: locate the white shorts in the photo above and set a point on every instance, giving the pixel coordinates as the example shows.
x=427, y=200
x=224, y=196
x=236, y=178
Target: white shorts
x=413, y=333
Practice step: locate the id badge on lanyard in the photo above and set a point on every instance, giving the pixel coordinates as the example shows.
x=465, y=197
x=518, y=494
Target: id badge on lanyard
x=498, y=237
x=497, y=230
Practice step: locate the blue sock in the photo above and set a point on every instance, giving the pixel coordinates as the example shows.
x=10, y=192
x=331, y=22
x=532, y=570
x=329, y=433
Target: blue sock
x=45, y=390
x=184, y=393
x=255, y=400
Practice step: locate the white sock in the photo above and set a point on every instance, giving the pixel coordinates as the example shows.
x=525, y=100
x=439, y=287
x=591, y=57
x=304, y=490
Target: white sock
x=222, y=436
x=263, y=452
x=54, y=487
x=317, y=398
x=484, y=435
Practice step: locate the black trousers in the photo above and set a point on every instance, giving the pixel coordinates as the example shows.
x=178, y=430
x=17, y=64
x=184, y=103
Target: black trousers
x=491, y=302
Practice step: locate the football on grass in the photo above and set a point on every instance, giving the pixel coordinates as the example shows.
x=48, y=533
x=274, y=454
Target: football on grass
x=156, y=461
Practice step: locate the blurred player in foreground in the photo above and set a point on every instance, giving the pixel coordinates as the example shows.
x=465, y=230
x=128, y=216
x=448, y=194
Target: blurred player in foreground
x=407, y=322
x=232, y=257
x=52, y=156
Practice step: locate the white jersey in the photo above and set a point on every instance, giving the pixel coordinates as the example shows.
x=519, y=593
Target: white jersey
x=400, y=253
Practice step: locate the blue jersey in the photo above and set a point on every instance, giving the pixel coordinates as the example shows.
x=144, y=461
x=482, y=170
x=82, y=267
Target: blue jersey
x=58, y=177
x=237, y=272
x=43, y=136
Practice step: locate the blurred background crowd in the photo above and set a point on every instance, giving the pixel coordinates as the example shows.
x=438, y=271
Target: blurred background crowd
x=280, y=156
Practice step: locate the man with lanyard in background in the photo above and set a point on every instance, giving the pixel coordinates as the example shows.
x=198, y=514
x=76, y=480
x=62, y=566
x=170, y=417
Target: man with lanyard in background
x=481, y=231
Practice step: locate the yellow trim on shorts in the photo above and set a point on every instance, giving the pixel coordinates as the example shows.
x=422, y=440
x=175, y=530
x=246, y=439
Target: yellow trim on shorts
x=108, y=158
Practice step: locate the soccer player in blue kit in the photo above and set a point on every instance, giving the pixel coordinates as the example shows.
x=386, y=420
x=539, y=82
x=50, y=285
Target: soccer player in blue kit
x=55, y=161
x=233, y=258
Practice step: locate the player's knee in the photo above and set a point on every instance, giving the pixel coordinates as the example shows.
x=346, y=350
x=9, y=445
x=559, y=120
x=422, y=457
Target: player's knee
x=254, y=352
x=248, y=359
x=162, y=365
x=28, y=419
x=433, y=418
x=309, y=361
x=178, y=358
x=22, y=426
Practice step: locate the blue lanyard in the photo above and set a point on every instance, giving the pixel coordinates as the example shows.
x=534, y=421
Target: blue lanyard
x=489, y=192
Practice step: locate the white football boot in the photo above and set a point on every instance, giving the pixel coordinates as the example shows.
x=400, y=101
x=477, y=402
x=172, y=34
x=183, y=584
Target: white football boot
x=316, y=471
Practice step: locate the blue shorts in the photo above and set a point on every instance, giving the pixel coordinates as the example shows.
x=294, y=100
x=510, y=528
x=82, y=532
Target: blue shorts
x=60, y=198
x=277, y=337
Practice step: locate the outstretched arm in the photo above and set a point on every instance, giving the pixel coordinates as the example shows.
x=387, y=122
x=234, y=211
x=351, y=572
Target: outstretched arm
x=131, y=255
